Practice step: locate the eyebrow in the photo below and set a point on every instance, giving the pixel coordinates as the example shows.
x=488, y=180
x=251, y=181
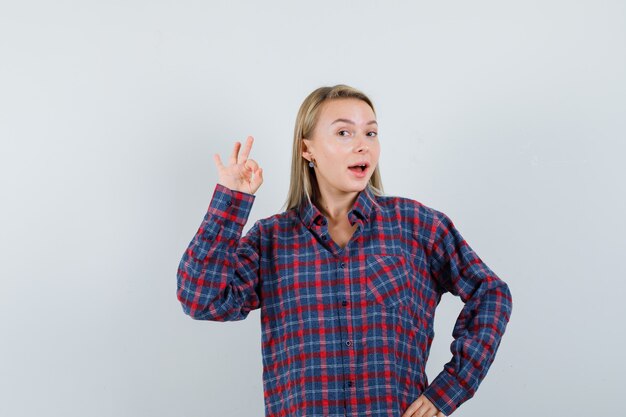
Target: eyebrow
x=351, y=122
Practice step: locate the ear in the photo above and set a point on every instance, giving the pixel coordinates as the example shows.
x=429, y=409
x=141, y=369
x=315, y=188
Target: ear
x=306, y=148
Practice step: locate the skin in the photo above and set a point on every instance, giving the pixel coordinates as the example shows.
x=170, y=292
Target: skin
x=334, y=146
x=346, y=132
x=242, y=173
x=422, y=407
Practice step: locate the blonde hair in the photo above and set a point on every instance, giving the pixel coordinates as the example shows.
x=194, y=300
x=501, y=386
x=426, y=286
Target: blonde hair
x=303, y=187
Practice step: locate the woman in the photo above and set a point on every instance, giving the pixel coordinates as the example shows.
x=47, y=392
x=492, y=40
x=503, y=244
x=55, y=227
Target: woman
x=347, y=279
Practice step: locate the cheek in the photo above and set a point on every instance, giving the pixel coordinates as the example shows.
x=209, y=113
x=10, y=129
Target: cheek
x=337, y=154
x=375, y=152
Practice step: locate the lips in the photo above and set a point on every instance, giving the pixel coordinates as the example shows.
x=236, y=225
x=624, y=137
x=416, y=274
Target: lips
x=360, y=169
x=362, y=166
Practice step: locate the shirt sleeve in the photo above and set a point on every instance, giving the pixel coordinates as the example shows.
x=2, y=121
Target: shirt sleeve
x=481, y=323
x=218, y=275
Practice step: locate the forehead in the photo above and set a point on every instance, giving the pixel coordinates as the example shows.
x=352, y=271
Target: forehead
x=346, y=108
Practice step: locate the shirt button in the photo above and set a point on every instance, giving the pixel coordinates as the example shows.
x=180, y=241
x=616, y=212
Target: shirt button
x=342, y=265
x=323, y=237
x=344, y=303
x=349, y=343
x=350, y=383
x=228, y=203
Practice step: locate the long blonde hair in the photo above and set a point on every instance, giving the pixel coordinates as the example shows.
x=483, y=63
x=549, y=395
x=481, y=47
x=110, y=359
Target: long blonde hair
x=303, y=187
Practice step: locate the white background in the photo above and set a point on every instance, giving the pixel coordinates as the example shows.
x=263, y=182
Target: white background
x=509, y=116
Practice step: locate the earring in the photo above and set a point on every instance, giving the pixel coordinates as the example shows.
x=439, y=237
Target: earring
x=311, y=164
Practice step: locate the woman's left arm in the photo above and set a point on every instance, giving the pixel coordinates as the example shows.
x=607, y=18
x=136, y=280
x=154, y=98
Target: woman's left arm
x=481, y=323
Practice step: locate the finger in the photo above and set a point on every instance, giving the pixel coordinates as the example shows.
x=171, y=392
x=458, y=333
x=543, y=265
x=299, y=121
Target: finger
x=246, y=150
x=251, y=165
x=431, y=412
x=424, y=411
x=218, y=161
x=412, y=408
x=233, y=155
x=441, y=414
x=258, y=178
x=426, y=407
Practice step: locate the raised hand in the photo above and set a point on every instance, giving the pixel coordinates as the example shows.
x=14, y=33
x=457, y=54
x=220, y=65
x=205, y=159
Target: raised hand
x=241, y=173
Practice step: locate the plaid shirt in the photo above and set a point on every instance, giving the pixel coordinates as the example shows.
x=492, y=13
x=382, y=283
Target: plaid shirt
x=347, y=332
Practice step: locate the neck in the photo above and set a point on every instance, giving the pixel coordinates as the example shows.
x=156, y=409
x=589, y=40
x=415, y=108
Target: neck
x=335, y=205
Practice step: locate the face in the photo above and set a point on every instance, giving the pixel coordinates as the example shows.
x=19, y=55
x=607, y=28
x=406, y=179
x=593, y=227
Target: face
x=346, y=134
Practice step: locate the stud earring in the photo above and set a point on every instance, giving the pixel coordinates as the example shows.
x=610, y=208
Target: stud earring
x=311, y=164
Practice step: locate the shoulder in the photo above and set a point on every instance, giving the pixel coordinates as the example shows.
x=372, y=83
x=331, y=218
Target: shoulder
x=423, y=222
x=411, y=209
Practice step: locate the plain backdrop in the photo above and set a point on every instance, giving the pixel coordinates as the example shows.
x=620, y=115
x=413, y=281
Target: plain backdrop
x=508, y=116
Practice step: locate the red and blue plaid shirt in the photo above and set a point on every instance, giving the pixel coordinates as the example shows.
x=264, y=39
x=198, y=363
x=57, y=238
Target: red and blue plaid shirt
x=347, y=332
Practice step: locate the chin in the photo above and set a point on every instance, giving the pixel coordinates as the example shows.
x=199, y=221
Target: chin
x=356, y=188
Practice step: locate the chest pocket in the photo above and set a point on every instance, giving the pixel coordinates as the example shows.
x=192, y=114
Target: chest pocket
x=388, y=280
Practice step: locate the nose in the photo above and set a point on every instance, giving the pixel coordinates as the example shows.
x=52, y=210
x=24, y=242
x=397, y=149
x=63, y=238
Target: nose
x=361, y=145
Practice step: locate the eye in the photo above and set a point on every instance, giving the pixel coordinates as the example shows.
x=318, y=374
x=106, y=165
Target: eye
x=372, y=134
x=341, y=133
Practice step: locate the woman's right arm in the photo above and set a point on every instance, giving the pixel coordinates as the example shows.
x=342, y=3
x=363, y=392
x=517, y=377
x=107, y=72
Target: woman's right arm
x=218, y=275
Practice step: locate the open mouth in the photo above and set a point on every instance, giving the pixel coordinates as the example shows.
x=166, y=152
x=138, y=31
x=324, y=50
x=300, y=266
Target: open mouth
x=360, y=168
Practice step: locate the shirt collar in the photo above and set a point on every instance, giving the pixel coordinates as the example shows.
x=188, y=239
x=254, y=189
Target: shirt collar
x=361, y=209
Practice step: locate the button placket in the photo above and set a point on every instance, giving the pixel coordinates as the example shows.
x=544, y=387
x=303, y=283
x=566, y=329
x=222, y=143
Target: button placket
x=342, y=265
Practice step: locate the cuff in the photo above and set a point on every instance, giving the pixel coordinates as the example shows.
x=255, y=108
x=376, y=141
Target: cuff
x=231, y=204
x=446, y=393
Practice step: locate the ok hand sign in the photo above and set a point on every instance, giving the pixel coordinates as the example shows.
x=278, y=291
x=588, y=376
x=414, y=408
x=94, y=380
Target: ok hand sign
x=242, y=174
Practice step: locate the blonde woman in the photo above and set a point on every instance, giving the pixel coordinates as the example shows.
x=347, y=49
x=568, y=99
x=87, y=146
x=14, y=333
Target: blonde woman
x=347, y=279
